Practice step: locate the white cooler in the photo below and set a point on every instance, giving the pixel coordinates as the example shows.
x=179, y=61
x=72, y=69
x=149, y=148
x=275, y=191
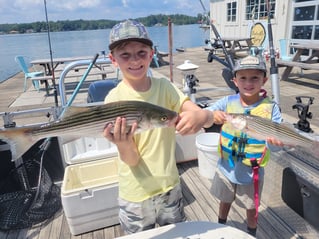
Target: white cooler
x=89, y=190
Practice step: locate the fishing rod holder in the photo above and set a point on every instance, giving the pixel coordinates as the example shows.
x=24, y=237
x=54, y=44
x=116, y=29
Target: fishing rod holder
x=303, y=113
x=8, y=117
x=189, y=80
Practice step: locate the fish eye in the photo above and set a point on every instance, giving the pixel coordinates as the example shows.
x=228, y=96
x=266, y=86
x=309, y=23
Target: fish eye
x=164, y=118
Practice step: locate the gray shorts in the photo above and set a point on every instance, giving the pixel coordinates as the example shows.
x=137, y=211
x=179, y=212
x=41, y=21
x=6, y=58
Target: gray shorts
x=227, y=192
x=161, y=209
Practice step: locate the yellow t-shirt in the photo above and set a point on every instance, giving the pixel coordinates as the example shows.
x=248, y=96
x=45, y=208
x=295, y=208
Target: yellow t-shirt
x=156, y=172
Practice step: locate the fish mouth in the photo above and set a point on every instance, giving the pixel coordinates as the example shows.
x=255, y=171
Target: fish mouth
x=173, y=121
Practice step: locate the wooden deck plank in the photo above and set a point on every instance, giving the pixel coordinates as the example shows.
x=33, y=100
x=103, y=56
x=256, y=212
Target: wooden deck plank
x=45, y=231
x=271, y=227
x=65, y=231
x=109, y=232
x=88, y=235
x=56, y=226
x=118, y=231
x=33, y=232
x=197, y=186
x=192, y=201
x=98, y=234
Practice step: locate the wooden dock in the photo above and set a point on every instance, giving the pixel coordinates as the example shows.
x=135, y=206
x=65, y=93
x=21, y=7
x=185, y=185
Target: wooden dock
x=276, y=220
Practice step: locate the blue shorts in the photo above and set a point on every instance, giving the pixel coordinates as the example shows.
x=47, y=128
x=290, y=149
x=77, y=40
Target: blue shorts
x=162, y=209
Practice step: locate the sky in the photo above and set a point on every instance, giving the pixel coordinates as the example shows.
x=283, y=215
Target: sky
x=26, y=11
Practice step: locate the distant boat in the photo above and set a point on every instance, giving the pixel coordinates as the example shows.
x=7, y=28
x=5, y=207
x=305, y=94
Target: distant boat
x=158, y=25
x=180, y=49
x=204, y=26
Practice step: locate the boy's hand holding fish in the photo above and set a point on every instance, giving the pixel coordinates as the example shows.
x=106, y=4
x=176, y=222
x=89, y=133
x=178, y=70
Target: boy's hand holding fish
x=274, y=141
x=118, y=134
x=191, y=121
x=219, y=117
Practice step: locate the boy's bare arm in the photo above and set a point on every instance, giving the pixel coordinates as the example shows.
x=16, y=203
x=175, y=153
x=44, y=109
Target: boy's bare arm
x=192, y=118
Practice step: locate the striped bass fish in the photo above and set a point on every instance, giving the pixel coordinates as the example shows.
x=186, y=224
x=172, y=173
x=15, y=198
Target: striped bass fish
x=89, y=121
x=261, y=128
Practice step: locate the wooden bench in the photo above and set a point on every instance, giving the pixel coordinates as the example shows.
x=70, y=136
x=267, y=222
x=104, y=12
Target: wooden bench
x=74, y=74
x=290, y=64
x=303, y=65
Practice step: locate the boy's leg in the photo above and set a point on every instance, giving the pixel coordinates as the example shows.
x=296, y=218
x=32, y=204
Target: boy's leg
x=224, y=208
x=246, y=195
x=251, y=222
x=170, y=207
x=136, y=217
x=225, y=191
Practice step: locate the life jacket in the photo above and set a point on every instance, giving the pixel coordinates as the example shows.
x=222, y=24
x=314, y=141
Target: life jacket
x=237, y=146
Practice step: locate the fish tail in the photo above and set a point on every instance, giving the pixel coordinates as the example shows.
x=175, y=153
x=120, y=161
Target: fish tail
x=18, y=140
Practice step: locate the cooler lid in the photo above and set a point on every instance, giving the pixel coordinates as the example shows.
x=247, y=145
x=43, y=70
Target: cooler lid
x=87, y=149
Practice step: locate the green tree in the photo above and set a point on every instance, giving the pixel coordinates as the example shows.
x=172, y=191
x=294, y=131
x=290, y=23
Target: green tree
x=68, y=25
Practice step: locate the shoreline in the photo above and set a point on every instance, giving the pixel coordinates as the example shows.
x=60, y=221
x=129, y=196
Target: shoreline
x=13, y=75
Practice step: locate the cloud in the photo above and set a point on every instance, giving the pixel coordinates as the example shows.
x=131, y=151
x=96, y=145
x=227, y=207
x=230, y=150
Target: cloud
x=20, y=11
x=72, y=5
x=125, y=3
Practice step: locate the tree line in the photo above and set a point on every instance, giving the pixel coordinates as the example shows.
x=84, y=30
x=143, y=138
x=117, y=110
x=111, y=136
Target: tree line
x=73, y=25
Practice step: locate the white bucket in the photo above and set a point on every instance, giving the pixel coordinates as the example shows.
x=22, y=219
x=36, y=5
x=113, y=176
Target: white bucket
x=207, y=153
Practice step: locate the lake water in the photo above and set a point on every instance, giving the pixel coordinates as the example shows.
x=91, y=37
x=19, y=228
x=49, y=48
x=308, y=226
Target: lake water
x=83, y=43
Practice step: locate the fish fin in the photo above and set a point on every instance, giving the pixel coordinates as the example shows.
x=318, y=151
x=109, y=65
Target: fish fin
x=289, y=126
x=254, y=134
x=69, y=138
x=18, y=140
x=72, y=110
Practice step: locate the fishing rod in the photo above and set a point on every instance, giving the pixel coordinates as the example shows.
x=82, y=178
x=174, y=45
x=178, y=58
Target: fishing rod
x=46, y=143
x=51, y=56
x=229, y=62
x=206, y=17
x=273, y=66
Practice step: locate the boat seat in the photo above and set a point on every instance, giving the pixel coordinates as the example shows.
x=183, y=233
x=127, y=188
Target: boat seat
x=99, y=89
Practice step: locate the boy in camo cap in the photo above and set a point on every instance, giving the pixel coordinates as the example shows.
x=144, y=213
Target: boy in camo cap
x=149, y=185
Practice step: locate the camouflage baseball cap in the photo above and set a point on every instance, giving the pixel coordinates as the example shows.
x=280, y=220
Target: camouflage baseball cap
x=128, y=30
x=250, y=62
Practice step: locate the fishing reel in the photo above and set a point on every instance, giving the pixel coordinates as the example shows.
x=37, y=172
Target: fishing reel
x=191, y=81
x=303, y=113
